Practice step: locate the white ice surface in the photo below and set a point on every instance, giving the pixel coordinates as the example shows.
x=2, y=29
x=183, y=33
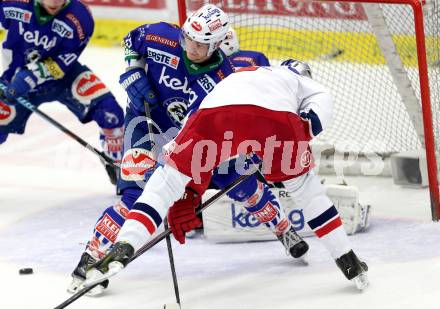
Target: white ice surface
x=52, y=190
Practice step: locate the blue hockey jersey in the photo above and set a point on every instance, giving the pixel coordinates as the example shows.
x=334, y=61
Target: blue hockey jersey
x=51, y=43
x=247, y=58
x=179, y=84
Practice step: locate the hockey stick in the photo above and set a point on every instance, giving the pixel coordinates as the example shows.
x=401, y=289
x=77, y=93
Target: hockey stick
x=173, y=267
x=165, y=222
x=165, y=233
x=108, y=162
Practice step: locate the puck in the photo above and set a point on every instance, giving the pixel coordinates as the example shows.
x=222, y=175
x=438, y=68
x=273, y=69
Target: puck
x=26, y=271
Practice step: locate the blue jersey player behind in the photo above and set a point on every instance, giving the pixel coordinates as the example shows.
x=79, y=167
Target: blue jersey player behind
x=169, y=71
x=40, y=62
x=241, y=58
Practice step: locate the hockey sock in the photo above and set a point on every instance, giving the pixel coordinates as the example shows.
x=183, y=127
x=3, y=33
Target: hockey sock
x=106, y=229
x=164, y=187
x=309, y=194
x=264, y=206
x=111, y=142
x=327, y=226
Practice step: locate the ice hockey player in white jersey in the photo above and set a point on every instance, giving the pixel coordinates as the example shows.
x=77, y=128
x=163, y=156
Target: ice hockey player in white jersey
x=174, y=89
x=285, y=111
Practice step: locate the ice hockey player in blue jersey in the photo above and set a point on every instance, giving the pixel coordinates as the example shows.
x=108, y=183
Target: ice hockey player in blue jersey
x=171, y=70
x=40, y=62
x=241, y=58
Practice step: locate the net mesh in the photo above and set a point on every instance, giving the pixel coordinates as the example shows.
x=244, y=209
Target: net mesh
x=340, y=43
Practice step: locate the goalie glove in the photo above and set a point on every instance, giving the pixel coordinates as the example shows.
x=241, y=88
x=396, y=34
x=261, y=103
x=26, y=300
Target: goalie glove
x=182, y=216
x=312, y=122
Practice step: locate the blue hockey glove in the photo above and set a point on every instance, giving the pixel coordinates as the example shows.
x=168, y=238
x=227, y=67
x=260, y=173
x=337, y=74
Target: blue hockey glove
x=312, y=121
x=137, y=86
x=22, y=83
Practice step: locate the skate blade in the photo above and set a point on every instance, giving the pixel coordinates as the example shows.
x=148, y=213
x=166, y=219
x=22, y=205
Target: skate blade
x=94, y=276
x=361, y=281
x=75, y=285
x=171, y=306
x=96, y=291
x=304, y=259
x=78, y=284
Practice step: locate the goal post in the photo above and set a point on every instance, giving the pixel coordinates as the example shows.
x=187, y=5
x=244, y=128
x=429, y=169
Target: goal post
x=379, y=58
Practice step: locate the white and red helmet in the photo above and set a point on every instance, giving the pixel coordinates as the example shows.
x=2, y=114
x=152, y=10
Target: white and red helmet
x=230, y=44
x=208, y=25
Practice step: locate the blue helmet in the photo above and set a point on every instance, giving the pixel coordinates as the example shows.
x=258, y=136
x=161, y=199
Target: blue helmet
x=298, y=67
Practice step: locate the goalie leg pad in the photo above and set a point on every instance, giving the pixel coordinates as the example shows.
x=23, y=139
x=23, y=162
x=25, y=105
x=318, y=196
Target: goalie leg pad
x=346, y=200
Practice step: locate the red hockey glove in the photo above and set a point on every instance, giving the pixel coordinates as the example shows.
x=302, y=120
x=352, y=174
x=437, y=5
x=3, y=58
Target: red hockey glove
x=182, y=215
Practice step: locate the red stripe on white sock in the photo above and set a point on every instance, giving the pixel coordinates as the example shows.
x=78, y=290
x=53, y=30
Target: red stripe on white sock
x=144, y=219
x=327, y=228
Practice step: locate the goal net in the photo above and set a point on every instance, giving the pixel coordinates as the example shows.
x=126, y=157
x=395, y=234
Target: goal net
x=381, y=61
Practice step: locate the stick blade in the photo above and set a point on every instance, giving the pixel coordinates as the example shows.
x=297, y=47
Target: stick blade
x=171, y=306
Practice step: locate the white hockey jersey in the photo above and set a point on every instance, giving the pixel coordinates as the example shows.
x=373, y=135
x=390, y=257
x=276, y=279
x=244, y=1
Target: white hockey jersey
x=275, y=88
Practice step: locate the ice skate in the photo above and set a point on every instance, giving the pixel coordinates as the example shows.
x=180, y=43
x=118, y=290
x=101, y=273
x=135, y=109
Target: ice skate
x=354, y=269
x=79, y=276
x=294, y=244
x=118, y=257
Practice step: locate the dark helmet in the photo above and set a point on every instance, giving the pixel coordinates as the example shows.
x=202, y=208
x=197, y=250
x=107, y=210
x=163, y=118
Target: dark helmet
x=298, y=67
